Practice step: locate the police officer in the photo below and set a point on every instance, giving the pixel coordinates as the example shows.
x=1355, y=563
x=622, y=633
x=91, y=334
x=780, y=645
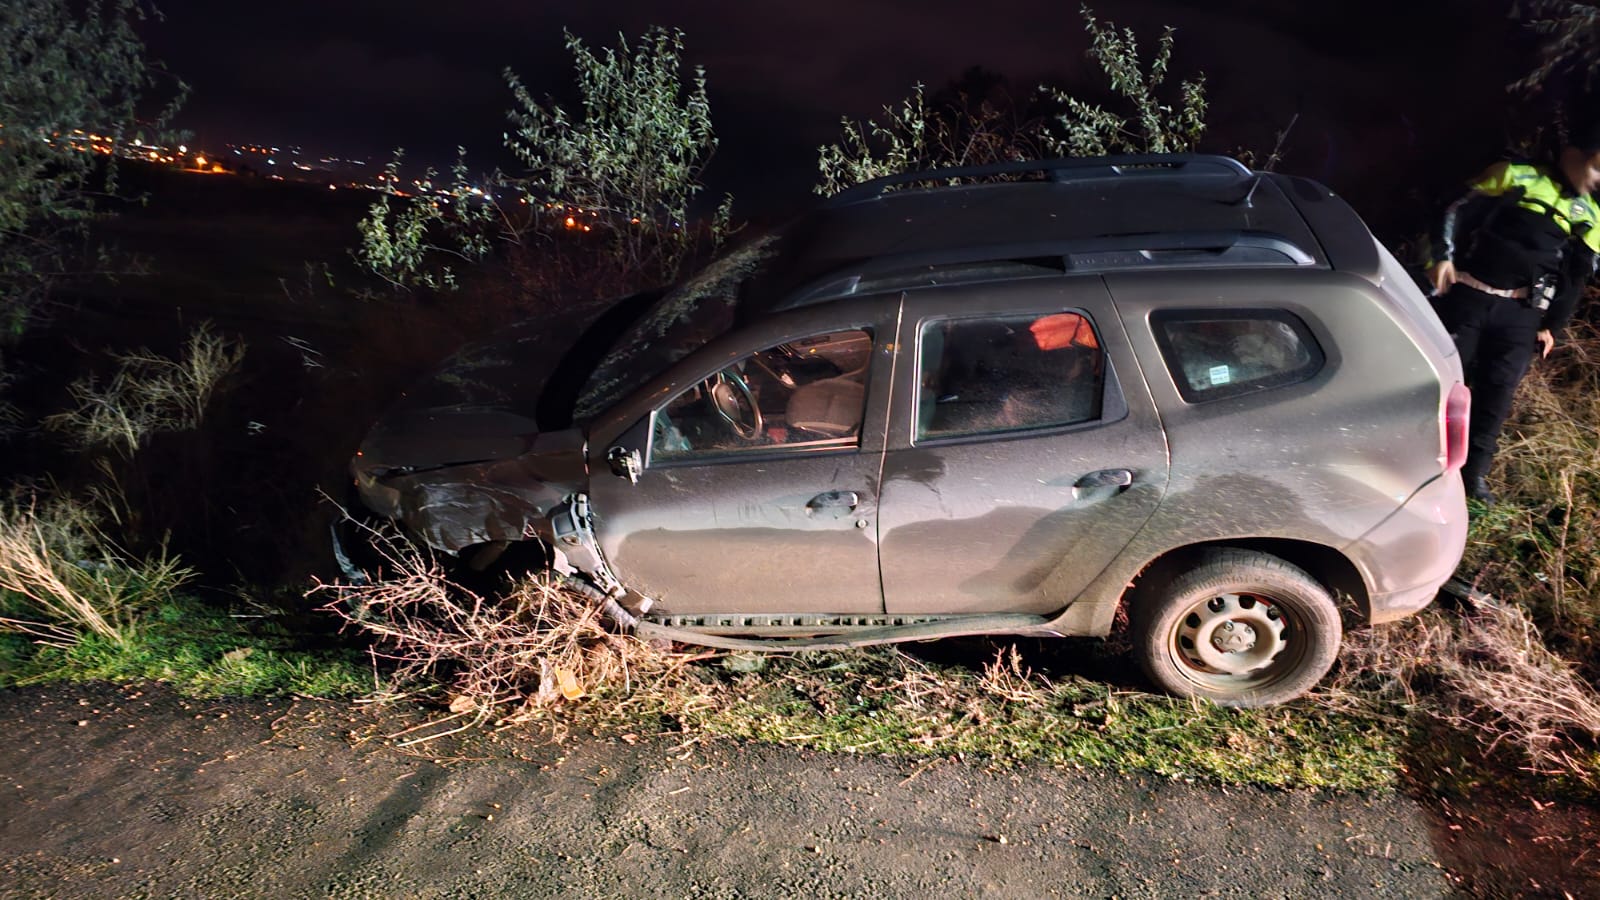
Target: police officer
x=1512, y=258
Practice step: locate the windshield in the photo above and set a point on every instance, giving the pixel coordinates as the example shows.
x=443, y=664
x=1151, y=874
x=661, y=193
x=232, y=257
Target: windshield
x=688, y=317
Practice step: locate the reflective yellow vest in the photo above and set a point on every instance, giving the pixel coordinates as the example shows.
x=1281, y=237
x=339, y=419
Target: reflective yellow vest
x=1573, y=214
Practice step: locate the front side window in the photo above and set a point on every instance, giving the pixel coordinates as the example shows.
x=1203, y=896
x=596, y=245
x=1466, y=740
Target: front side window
x=800, y=396
x=1217, y=354
x=1008, y=373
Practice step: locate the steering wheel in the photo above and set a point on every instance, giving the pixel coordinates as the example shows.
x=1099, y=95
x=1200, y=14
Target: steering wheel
x=734, y=403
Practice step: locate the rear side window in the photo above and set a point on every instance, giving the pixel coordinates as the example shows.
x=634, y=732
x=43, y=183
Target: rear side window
x=1008, y=373
x=1216, y=354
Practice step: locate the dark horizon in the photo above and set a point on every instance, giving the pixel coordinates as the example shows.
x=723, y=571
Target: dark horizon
x=1367, y=96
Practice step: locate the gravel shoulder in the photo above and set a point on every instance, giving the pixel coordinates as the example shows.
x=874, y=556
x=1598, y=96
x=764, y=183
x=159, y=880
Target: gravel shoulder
x=133, y=791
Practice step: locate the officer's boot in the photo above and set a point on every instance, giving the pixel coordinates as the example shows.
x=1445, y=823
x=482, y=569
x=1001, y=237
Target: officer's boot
x=1477, y=486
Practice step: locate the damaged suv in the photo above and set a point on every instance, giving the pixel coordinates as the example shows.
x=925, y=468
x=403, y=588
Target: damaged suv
x=1023, y=399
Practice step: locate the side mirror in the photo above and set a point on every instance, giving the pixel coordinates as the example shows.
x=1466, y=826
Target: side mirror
x=625, y=463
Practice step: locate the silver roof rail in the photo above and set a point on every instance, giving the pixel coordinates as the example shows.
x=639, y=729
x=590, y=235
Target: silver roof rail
x=1056, y=170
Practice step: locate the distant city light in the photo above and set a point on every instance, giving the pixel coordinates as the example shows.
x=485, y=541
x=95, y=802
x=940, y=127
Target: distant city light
x=182, y=148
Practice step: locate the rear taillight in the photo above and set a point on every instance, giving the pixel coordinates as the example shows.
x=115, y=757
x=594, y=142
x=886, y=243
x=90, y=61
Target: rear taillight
x=1453, y=427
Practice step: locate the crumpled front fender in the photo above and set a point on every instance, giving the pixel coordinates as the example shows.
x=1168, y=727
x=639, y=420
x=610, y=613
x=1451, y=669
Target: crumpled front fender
x=459, y=506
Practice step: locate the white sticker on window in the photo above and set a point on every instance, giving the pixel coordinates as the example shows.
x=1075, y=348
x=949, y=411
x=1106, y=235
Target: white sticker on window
x=1219, y=375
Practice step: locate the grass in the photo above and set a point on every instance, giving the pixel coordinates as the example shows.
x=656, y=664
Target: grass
x=199, y=650
x=62, y=578
x=1408, y=691
x=888, y=702
x=73, y=606
x=149, y=393
x=538, y=658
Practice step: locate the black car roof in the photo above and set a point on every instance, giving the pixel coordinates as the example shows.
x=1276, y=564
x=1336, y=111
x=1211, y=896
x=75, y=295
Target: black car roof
x=1075, y=215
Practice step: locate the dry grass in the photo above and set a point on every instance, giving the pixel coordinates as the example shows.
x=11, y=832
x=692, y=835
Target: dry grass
x=1487, y=673
x=31, y=570
x=61, y=578
x=149, y=393
x=1511, y=687
x=1517, y=672
x=528, y=658
x=1540, y=548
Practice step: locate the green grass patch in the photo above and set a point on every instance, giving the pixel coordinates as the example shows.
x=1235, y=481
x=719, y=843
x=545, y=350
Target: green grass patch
x=198, y=650
x=890, y=703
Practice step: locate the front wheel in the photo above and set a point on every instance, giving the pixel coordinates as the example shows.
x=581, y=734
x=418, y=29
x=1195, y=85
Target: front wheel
x=1240, y=628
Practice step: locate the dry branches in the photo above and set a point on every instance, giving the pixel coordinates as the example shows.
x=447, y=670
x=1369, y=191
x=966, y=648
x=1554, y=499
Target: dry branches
x=538, y=644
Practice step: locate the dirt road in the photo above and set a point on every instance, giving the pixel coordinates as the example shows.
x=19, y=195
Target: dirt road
x=132, y=791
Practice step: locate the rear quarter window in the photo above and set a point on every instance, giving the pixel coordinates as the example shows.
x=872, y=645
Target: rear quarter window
x=1214, y=354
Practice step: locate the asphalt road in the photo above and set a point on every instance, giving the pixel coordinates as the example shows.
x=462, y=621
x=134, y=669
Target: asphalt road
x=133, y=791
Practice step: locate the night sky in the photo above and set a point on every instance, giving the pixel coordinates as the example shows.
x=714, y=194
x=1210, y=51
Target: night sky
x=1404, y=95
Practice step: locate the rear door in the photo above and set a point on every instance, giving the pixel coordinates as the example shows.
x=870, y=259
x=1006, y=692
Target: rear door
x=1023, y=451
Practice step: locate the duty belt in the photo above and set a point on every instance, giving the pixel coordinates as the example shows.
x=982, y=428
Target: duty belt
x=1520, y=293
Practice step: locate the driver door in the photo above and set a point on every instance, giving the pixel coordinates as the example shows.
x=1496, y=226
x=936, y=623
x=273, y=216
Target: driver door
x=758, y=487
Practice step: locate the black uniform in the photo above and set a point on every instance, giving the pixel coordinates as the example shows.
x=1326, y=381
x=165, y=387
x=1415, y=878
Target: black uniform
x=1524, y=244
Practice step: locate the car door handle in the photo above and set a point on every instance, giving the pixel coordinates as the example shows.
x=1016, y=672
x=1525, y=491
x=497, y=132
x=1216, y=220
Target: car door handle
x=1104, y=478
x=834, y=500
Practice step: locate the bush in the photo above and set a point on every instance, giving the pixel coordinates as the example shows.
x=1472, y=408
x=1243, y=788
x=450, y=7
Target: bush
x=149, y=393
x=402, y=236
x=628, y=165
x=957, y=131
x=605, y=199
x=67, y=70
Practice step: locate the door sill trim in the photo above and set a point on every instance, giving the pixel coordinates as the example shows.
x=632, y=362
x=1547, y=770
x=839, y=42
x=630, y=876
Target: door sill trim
x=819, y=631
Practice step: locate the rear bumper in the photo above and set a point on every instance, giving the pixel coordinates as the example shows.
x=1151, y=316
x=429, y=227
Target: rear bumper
x=1399, y=604
x=1411, y=554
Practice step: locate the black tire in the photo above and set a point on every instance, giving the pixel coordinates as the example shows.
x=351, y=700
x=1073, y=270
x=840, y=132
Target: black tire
x=1239, y=628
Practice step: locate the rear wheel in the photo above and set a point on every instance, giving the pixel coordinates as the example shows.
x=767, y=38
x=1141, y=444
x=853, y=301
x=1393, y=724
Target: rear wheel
x=1240, y=628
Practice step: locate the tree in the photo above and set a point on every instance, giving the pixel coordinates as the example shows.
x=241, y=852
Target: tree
x=629, y=163
x=1153, y=126
x=1570, y=42
x=624, y=170
x=67, y=71
x=402, y=235
x=975, y=124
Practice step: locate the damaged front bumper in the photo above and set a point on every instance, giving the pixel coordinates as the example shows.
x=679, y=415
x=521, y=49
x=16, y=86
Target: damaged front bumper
x=573, y=548
x=451, y=506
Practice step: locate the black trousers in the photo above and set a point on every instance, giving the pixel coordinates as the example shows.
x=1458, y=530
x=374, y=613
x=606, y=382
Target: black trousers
x=1496, y=337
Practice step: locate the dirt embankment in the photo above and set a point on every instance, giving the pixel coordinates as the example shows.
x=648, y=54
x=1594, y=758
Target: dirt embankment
x=132, y=791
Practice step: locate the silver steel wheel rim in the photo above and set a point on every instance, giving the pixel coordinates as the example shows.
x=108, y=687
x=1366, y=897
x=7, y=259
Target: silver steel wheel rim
x=1229, y=639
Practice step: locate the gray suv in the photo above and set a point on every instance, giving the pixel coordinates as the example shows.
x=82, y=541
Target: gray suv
x=1039, y=398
